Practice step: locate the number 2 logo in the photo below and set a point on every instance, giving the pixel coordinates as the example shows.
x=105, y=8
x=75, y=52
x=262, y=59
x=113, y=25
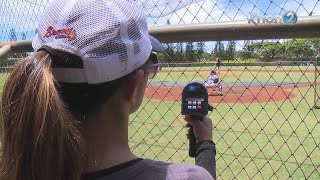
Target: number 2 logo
x=290, y=17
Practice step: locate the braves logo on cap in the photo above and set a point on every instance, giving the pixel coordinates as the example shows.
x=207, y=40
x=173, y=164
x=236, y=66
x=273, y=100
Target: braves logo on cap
x=61, y=33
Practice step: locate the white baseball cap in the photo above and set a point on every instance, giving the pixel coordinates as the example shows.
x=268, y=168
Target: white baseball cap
x=110, y=36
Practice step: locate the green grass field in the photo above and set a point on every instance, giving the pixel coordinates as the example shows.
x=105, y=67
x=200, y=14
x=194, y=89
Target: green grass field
x=273, y=140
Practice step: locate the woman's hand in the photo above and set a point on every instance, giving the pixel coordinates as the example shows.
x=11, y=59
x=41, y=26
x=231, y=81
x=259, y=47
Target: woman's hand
x=202, y=129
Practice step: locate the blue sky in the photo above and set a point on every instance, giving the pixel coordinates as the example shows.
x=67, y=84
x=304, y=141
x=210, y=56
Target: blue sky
x=232, y=10
x=22, y=15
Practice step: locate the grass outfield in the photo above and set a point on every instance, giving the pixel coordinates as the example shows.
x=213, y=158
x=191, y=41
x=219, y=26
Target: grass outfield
x=276, y=140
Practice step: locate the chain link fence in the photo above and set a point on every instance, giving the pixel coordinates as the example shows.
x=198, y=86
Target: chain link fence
x=266, y=124
x=317, y=86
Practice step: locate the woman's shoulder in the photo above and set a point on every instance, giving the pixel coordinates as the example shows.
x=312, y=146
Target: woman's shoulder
x=177, y=171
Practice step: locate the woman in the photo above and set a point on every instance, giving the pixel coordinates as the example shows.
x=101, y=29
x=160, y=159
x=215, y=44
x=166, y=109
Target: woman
x=66, y=108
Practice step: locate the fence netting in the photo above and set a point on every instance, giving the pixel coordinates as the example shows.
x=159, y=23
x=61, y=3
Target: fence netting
x=317, y=86
x=266, y=125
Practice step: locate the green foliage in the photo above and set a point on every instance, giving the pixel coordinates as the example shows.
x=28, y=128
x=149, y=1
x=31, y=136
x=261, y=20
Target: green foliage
x=23, y=36
x=161, y=57
x=218, y=50
x=13, y=36
x=296, y=49
x=265, y=51
x=207, y=56
x=169, y=53
x=246, y=52
x=200, y=50
x=314, y=44
x=179, y=52
x=300, y=49
x=230, y=50
x=190, y=53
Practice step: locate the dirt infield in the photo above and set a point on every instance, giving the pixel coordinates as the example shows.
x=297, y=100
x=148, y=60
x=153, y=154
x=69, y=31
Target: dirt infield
x=235, y=94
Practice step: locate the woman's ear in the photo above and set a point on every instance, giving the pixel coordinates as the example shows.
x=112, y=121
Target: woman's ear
x=133, y=90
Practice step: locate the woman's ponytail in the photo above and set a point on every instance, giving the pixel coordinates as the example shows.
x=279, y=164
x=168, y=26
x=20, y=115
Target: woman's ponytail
x=42, y=140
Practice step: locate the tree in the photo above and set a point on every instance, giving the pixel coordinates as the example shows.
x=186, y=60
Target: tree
x=206, y=56
x=219, y=50
x=169, y=51
x=200, y=50
x=301, y=49
x=296, y=49
x=246, y=52
x=190, y=54
x=315, y=45
x=179, y=52
x=268, y=51
x=23, y=36
x=230, y=50
x=13, y=36
x=215, y=50
x=246, y=43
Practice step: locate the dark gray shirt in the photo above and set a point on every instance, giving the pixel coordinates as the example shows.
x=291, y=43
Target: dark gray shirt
x=156, y=170
x=146, y=169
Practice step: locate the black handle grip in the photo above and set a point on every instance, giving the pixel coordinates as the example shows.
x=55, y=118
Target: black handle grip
x=192, y=143
x=192, y=137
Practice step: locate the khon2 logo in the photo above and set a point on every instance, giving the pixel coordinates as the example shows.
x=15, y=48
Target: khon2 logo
x=290, y=18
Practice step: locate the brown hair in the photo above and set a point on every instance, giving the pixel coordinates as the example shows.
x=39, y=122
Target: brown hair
x=41, y=139
x=42, y=119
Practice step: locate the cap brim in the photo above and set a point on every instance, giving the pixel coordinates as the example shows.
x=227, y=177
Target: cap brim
x=156, y=44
